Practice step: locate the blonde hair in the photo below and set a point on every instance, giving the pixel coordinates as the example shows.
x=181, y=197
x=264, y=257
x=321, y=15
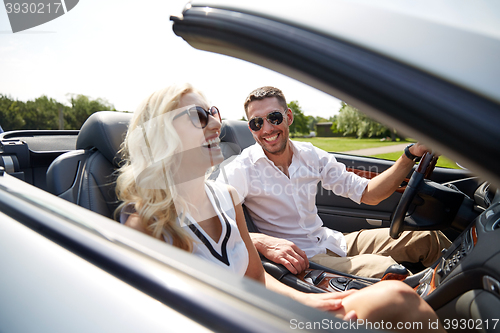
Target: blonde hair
x=146, y=177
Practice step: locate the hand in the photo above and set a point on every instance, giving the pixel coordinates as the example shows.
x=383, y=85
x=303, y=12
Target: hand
x=351, y=315
x=281, y=251
x=327, y=301
x=418, y=149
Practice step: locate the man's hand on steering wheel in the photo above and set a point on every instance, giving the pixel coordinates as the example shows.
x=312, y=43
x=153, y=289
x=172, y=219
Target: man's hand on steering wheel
x=418, y=149
x=423, y=171
x=281, y=251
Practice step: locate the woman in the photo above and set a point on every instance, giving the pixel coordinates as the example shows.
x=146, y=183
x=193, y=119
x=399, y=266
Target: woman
x=171, y=142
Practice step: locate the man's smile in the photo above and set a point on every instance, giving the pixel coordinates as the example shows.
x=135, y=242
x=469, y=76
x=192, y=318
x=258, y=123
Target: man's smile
x=271, y=138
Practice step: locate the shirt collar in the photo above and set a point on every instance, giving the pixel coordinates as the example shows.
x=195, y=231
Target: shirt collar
x=256, y=152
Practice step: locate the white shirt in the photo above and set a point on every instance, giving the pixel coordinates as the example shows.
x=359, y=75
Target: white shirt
x=286, y=207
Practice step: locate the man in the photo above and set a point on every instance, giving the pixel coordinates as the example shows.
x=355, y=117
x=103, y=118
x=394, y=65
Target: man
x=277, y=179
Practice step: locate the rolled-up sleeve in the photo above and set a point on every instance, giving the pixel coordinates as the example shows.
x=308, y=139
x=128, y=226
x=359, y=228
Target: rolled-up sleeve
x=336, y=178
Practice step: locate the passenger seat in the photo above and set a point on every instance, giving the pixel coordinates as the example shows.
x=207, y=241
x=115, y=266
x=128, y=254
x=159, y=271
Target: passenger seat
x=86, y=176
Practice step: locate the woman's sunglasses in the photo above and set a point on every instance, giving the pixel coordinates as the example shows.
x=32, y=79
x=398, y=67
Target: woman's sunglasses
x=274, y=118
x=199, y=116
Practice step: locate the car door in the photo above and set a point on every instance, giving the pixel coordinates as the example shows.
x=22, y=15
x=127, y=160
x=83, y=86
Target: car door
x=345, y=215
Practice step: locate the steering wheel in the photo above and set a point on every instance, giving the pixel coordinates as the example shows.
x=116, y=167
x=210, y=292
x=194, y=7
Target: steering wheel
x=424, y=170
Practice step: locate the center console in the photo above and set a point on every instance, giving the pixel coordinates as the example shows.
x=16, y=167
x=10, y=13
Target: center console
x=451, y=258
x=470, y=265
x=333, y=282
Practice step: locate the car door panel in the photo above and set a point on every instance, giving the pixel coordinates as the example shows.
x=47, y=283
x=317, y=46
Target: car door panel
x=349, y=220
x=26, y=154
x=345, y=215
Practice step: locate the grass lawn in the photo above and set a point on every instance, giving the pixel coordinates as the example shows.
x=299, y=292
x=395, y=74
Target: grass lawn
x=442, y=161
x=346, y=144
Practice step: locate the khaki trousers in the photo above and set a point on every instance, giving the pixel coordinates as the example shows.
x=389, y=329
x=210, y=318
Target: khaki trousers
x=371, y=252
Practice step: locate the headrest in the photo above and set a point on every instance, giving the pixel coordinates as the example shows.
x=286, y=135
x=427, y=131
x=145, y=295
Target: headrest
x=236, y=131
x=104, y=130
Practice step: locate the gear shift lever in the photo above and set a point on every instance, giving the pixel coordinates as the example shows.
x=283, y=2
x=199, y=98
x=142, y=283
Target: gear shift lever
x=395, y=272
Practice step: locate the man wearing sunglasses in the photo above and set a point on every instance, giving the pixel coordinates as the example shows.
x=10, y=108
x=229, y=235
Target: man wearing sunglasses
x=277, y=180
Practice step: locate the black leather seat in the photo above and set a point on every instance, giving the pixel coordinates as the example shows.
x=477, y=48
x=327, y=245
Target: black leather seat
x=235, y=136
x=86, y=176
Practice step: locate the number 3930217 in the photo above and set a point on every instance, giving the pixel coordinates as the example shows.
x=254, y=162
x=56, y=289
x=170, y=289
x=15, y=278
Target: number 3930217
x=33, y=7
x=462, y=324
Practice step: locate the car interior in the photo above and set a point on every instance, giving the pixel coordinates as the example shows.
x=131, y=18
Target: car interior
x=465, y=208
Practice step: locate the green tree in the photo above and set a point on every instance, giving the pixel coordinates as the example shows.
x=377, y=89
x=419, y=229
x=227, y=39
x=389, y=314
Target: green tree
x=334, y=128
x=299, y=125
x=311, y=123
x=41, y=114
x=351, y=121
x=82, y=107
x=10, y=116
x=46, y=113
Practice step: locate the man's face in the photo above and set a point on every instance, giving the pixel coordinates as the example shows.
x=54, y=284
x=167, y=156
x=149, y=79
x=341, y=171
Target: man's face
x=272, y=138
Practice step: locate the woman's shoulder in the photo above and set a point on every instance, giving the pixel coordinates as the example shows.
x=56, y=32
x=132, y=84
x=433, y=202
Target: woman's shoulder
x=125, y=211
x=134, y=221
x=225, y=189
x=219, y=186
x=130, y=218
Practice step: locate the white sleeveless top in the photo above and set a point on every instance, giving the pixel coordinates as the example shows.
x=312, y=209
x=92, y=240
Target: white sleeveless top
x=229, y=251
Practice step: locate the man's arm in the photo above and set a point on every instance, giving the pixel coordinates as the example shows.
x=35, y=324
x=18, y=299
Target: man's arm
x=383, y=185
x=281, y=251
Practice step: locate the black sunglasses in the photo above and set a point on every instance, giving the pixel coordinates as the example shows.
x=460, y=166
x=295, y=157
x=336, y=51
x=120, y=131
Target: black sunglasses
x=274, y=118
x=199, y=116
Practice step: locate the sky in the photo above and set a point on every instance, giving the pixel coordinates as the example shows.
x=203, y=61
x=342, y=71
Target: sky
x=122, y=51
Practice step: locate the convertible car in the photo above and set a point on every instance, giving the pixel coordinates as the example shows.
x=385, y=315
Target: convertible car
x=67, y=265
